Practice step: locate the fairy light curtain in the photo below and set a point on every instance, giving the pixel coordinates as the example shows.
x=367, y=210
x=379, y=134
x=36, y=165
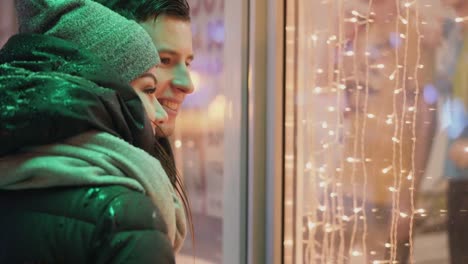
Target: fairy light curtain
x=358, y=127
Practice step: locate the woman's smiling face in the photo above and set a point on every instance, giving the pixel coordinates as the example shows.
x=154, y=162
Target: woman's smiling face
x=146, y=87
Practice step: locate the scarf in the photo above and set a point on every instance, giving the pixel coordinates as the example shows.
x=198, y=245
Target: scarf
x=94, y=159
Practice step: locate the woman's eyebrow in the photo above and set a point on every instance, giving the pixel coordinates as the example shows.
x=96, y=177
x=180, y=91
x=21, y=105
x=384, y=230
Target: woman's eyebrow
x=150, y=75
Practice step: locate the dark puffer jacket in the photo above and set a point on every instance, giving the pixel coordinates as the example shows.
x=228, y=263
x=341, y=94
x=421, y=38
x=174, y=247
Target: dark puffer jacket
x=51, y=90
x=109, y=224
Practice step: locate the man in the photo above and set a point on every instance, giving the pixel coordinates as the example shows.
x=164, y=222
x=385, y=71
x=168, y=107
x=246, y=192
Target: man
x=168, y=24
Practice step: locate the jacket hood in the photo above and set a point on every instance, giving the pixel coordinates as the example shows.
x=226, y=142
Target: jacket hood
x=50, y=90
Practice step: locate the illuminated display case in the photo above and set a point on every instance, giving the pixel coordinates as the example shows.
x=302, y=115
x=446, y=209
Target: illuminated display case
x=364, y=149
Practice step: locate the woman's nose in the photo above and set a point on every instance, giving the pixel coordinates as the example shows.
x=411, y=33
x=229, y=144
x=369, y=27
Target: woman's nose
x=160, y=115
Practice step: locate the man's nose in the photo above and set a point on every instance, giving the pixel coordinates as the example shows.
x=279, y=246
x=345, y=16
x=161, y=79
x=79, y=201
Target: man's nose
x=182, y=80
x=160, y=115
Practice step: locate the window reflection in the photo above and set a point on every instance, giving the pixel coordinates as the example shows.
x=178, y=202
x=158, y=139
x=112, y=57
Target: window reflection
x=377, y=91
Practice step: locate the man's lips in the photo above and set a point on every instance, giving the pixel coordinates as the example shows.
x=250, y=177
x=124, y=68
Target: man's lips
x=171, y=106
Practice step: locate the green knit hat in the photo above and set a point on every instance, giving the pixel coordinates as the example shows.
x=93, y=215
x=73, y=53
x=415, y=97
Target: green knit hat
x=122, y=44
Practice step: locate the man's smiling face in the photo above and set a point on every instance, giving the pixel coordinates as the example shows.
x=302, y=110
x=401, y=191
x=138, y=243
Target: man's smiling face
x=173, y=39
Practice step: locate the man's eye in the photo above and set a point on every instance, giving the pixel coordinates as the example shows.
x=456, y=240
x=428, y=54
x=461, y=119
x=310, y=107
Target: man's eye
x=149, y=90
x=165, y=61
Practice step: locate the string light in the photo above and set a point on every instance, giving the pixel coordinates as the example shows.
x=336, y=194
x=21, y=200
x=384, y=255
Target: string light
x=460, y=19
x=341, y=143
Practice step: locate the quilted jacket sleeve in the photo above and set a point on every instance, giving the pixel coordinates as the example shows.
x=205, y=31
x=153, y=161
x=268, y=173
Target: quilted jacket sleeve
x=131, y=231
x=107, y=224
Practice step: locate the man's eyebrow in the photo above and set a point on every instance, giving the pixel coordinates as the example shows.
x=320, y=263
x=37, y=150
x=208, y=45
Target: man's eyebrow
x=173, y=53
x=150, y=75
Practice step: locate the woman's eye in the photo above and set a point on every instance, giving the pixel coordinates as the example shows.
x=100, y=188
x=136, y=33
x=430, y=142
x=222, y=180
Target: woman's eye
x=149, y=90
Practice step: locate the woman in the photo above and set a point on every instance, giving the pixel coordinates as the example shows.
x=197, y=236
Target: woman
x=80, y=178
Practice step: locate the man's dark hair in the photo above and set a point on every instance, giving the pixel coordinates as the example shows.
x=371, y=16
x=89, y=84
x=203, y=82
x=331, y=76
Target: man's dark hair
x=142, y=10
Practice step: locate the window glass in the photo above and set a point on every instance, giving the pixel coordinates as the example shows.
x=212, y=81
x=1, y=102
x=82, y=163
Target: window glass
x=199, y=137
x=376, y=95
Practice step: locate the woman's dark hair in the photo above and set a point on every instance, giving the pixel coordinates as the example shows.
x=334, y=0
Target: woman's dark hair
x=142, y=10
x=164, y=154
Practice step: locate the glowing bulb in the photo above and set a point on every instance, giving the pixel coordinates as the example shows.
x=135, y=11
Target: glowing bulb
x=404, y=215
x=331, y=109
x=314, y=37
x=178, y=143
x=407, y=4
x=311, y=225
x=317, y=90
x=465, y=149
x=370, y=115
x=377, y=66
x=324, y=125
x=386, y=170
x=388, y=245
x=309, y=165
x=403, y=36
x=410, y=177
x=394, y=139
x=392, y=76
x=319, y=71
x=356, y=253
x=322, y=208
x=349, y=53
x=357, y=210
x=392, y=189
x=404, y=21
